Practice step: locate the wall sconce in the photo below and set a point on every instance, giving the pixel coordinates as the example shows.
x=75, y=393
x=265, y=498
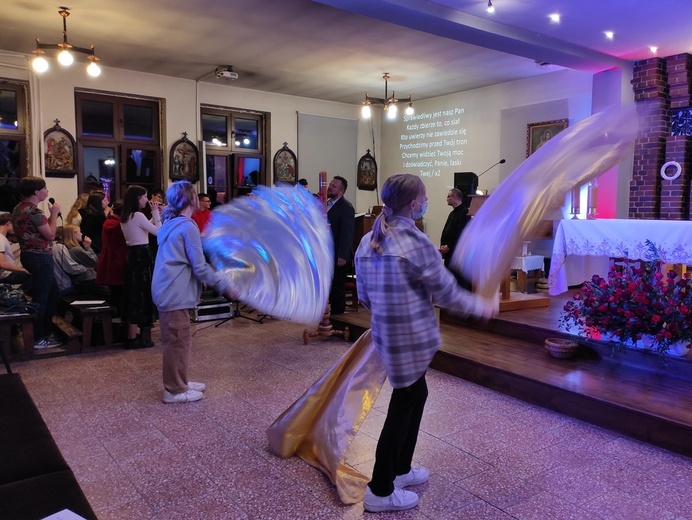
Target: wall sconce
x=65, y=57
x=389, y=103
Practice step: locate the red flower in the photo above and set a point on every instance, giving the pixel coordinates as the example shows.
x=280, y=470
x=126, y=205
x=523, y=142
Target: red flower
x=634, y=301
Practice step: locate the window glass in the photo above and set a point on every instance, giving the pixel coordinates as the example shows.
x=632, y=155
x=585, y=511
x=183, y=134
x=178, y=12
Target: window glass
x=8, y=110
x=9, y=160
x=97, y=118
x=217, y=168
x=139, y=122
x=246, y=131
x=215, y=129
x=140, y=167
x=249, y=171
x=100, y=164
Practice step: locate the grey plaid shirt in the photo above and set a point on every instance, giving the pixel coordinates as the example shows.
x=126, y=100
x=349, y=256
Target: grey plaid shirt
x=399, y=287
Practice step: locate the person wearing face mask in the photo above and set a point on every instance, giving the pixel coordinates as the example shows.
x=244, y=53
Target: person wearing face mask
x=400, y=279
x=342, y=221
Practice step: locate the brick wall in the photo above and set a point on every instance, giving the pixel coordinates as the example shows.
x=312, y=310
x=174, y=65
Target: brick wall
x=661, y=87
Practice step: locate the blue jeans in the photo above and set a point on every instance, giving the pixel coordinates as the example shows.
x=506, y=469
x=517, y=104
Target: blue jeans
x=44, y=290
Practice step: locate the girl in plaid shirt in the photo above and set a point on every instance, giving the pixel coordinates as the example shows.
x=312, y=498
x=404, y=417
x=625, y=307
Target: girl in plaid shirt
x=400, y=275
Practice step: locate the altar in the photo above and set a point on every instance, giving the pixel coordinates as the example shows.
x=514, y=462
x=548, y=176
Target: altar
x=583, y=248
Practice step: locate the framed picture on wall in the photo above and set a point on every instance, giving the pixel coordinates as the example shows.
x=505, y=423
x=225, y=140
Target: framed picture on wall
x=537, y=134
x=367, y=173
x=285, y=165
x=59, y=152
x=183, y=161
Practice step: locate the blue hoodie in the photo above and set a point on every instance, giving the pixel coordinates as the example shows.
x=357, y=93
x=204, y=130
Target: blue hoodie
x=181, y=267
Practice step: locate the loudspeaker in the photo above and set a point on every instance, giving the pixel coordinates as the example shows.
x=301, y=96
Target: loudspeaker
x=466, y=183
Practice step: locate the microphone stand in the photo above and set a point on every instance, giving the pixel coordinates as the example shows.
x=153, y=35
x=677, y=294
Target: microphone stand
x=501, y=161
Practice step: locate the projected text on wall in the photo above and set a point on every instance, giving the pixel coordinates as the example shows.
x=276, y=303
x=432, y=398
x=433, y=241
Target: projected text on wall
x=433, y=141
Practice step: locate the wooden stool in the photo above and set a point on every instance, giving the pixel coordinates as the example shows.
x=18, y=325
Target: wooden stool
x=26, y=321
x=88, y=313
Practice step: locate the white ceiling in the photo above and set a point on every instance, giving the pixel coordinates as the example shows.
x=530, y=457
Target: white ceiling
x=338, y=50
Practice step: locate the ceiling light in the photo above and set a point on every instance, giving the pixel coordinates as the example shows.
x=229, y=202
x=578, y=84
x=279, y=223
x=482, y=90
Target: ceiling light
x=389, y=102
x=609, y=34
x=65, y=56
x=491, y=7
x=555, y=17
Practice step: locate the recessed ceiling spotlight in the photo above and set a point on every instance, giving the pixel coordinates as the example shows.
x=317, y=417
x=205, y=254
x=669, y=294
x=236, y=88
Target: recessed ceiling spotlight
x=609, y=34
x=653, y=49
x=555, y=17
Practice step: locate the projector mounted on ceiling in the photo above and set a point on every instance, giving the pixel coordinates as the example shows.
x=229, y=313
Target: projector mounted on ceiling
x=226, y=72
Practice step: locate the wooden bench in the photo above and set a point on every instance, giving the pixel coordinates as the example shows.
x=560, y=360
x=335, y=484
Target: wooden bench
x=73, y=343
x=87, y=314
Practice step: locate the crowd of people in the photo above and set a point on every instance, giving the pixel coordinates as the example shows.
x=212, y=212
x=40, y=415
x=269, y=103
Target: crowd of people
x=103, y=250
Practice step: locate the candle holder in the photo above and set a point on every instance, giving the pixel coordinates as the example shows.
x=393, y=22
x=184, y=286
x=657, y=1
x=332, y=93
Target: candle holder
x=592, y=200
x=574, y=208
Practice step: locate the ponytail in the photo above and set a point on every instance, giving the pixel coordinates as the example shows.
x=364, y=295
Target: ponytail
x=380, y=228
x=398, y=191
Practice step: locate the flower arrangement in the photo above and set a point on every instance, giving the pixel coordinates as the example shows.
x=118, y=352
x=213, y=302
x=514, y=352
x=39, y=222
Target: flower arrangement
x=635, y=304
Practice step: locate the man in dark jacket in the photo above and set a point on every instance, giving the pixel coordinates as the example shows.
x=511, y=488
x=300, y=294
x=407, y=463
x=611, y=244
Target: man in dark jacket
x=342, y=220
x=456, y=222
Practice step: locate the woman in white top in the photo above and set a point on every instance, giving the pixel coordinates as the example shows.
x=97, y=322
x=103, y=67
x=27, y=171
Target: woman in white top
x=139, y=310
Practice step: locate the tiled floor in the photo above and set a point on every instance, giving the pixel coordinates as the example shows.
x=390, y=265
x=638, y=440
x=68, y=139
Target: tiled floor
x=490, y=456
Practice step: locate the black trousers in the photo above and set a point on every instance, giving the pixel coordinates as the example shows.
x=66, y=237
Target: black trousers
x=399, y=436
x=337, y=294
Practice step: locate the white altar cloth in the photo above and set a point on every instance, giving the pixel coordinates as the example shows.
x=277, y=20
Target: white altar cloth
x=527, y=263
x=618, y=238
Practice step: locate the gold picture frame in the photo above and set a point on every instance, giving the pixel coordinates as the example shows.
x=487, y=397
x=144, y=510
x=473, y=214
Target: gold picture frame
x=367, y=172
x=59, y=152
x=537, y=134
x=183, y=161
x=285, y=166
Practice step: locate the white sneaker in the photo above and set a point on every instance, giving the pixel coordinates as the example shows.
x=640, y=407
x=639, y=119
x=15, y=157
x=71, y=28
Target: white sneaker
x=197, y=387
x=412, y=478
x=185, y=397
x=399, y=500
x=47, y=343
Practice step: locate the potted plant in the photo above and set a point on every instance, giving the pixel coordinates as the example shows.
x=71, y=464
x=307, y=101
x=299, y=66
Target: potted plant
x=636, y=305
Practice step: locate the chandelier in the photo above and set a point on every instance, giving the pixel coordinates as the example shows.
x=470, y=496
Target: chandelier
x=65, y=57
x=388, y=101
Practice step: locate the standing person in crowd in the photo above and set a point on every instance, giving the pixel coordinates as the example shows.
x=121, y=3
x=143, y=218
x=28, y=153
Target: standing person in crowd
x=400, y=279
x=156, y=196
x=203, y=215
x=93, y=217
x=74, y=216
x=180, y=271
x=455, y=224
x=136, y=230
x=10, y=271
x=213, y=197
x=35, y=234
x=342, y=221
x=111, y=266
